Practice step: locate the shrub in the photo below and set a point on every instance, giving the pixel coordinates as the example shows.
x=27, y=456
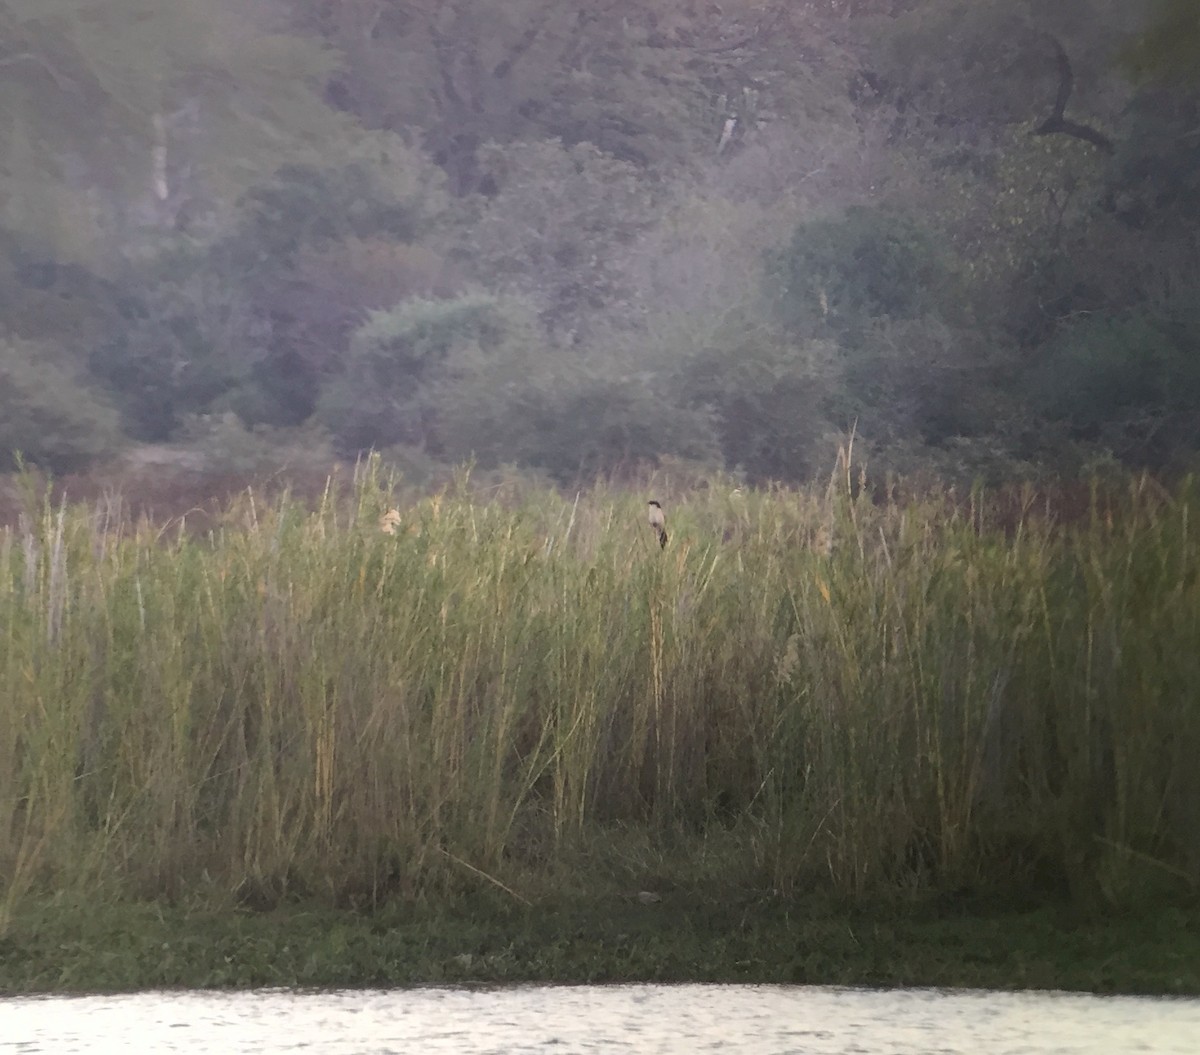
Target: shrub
x=46, y=414
x=381, y=397
x=866, y=263
x=766, y=400
x=1101, y=374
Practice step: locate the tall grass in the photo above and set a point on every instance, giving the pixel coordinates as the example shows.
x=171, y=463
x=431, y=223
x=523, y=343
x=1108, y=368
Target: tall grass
x=856, y=695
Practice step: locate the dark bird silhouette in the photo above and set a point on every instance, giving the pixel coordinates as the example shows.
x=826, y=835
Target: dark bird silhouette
x=658, y=522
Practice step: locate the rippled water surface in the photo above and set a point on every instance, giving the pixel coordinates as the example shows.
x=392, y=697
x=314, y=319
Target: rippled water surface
x=642, y=1019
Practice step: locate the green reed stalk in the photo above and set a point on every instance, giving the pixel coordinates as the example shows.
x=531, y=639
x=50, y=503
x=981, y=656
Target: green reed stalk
x=857, y=696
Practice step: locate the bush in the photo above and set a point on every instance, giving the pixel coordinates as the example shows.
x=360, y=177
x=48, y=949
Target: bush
x=475, y=378
x=601, y=424
x=46, y=414
x=866, y=263
x=766, y=399
x=382, y=189
x=1101, y=374
x=190, y=335
x=382, y=397
x=226, y=445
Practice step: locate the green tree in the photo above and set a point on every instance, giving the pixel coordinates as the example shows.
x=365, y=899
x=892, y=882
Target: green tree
x=1170, y=46
x=569, y=418
x=554, y=228
x=122, y=113
x=1131, y=383
x=255, y=319
x=867, y=263
x=633, y=81
x=46, y=414
x=381, y=397
x=768, y=400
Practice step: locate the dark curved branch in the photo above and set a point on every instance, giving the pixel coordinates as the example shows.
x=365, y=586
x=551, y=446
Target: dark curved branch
x=1066, y=77
x=1076, y=131
x=1057, y=123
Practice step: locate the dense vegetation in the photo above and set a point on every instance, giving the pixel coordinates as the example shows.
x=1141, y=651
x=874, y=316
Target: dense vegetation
x=806, y=691
x=599, y=241
x=579, y=236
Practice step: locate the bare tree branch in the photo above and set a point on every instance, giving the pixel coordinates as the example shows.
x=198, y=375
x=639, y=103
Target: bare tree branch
x=62, y=82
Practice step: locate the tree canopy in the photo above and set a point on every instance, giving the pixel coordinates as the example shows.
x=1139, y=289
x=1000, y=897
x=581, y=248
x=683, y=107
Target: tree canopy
x=582, y=236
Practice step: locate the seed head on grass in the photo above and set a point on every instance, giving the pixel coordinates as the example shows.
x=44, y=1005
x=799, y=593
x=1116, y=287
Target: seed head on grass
x=390, y=522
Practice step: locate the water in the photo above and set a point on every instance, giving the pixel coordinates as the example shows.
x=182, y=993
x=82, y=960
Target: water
x=688, y=1020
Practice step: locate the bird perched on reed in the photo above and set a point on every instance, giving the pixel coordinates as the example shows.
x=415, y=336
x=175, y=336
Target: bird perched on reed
x=659, y=522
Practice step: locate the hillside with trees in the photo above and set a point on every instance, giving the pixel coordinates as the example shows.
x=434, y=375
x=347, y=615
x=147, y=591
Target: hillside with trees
x=578, y=237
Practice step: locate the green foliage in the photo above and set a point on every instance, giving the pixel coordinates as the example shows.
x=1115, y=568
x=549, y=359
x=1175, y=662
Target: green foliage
x=256, y=316
x=1170, y=47
x=222, y=444
x=553, y=226
x=381, y=396
x=467, y=73
x=590, y=932
x=585, y=427
x=767, y=403
x=380, y=188
x=922, y=379
x=1156, y=182
x=905, y=359
x=412, y=337
x=474, y=378
x=964, y=69
x=1107, y=376
x=94, y=89
x=207, y=201
x=46, y=414
x=188, y=339
x=864, y=264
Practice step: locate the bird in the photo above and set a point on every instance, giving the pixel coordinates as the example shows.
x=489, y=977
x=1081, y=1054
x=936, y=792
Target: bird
x=658, y=522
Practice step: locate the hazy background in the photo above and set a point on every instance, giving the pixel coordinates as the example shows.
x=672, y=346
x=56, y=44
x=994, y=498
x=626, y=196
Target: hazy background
x=578, y=235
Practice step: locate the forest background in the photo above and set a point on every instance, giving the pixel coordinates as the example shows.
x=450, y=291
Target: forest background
x=580, y=235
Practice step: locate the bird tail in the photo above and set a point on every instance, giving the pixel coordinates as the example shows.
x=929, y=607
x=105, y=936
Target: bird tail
x=662, y=538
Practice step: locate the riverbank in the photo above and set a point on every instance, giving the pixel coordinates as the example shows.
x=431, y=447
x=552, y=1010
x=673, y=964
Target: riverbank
x=58, y=947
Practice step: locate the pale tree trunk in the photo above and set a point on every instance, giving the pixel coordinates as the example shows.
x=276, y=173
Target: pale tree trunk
x=162, y=189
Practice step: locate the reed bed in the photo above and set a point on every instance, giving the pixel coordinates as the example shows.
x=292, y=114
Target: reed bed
x=805, y=689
